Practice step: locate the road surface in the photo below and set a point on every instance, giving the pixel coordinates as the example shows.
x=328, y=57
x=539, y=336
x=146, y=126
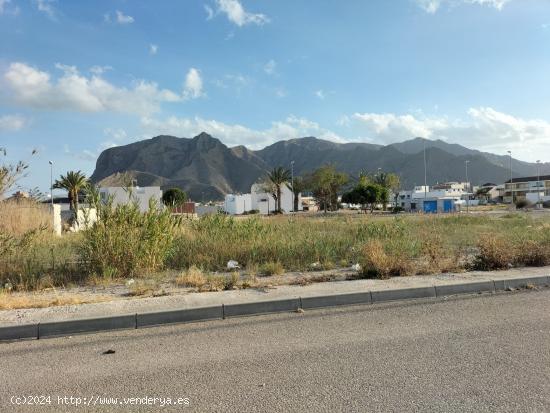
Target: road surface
x=483, y=353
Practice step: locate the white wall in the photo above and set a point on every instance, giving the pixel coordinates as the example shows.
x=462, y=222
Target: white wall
x=237, y=204
x=533, y=197
x=142, y=195
x=262, y=200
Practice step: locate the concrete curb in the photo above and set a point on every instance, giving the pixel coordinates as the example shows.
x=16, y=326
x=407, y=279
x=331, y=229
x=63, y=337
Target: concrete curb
x=219, y=312
x=179, y=316
x=261, y=307
x=85, y=325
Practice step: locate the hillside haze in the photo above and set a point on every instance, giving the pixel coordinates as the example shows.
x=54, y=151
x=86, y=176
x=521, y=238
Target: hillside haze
x=207, y=169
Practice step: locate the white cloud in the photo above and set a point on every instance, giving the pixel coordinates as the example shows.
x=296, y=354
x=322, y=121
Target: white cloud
x=281, y=93
x=236, y=13
x=432, y=6
x=485, y=128
x=45, y=6
x=193, y=84
x=270, y=67
x=34, y=88
x=429, y=6
x=121, y=18
x=320, y=94
x=153, y=49
x=3, y=4
x=99, y=70
x=12, y=123
x=4, y=9
x=497, y=4
x=234, y=134
x=209, y=12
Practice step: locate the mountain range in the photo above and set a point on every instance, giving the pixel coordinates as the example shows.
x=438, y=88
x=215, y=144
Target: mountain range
x=207, y=169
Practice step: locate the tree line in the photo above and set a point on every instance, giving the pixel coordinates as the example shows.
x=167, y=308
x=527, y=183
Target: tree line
x=326, y=183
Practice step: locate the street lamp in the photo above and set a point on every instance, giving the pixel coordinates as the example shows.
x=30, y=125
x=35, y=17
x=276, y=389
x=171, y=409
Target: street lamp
x=292, y=183
x=538, y=181
x=511, y=177
x=468, y=191
x=51, y=182
x=425, y=172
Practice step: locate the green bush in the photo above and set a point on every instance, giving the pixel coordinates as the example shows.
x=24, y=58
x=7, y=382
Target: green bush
x=125, y=240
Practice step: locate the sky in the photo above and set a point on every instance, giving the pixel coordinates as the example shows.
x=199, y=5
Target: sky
x=77, y=77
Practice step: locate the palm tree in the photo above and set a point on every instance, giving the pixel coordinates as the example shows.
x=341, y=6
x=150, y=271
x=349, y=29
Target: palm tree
x=278, y=177
x=73, y=183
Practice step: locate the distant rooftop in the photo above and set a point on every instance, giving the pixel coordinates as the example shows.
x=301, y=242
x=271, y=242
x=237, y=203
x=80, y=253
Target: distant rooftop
x=530, y=179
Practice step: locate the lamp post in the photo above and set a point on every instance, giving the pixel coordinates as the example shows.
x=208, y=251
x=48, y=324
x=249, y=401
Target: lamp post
x=425, y=178
x=51, y=194
x=292, y=183
x=51, y=182
x=511, y=178
x=468, y=191
x=538, y=182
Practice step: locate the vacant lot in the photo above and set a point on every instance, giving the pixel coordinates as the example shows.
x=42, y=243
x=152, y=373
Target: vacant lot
x=194, y=253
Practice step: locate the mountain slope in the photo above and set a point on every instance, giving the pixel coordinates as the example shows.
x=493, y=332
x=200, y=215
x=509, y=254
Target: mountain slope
x=207, y=169
x=202, y=166
x=519, y=168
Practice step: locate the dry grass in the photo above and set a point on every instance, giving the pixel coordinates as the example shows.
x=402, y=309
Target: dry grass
x=495, y=253
x=193, y=277
x=20, y=216
x=271, y=268
x=304, y=280
x=15, y=301
x=534, y=253
x=145, y=288
x=377, y=262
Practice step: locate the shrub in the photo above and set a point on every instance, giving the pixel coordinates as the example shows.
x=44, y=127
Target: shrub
x=271, y=268
x=193, y=277
x=523, y=203
x=377, y=262
x=535, y=253
x=231, y=281
x=494, y=253
x=128, y=240
x=214, y=283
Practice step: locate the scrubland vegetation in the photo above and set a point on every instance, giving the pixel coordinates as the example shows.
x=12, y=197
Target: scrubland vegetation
x=128, y=244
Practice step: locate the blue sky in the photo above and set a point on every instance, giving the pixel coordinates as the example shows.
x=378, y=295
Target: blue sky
x=77, y=77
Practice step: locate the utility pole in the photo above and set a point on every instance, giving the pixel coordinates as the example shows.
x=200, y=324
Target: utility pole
x=511, y=178
x=425, y=177
x=468, y=191
x=538, y=182
x=51, y=182
x=292, y=183
x=51, y=194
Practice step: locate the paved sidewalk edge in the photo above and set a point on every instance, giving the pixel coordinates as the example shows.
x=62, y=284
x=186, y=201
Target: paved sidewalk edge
x=223, y=311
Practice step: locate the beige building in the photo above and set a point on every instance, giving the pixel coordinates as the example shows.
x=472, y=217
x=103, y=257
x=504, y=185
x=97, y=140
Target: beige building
x=530, y=188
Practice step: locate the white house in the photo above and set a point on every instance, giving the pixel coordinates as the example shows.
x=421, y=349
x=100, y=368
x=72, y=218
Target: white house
x=141, y=195
x=260, y=201
x=439, y=198
x=237, y=204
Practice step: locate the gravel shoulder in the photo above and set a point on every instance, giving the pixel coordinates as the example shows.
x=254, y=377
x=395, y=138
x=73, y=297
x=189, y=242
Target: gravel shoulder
x=114, y=300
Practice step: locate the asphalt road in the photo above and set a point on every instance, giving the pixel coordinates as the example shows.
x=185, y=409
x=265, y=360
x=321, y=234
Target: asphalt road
x=482, y=353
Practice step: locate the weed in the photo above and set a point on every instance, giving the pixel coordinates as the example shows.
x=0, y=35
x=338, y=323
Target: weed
x=495, y=253
x=271, y=268
x=193, y=277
